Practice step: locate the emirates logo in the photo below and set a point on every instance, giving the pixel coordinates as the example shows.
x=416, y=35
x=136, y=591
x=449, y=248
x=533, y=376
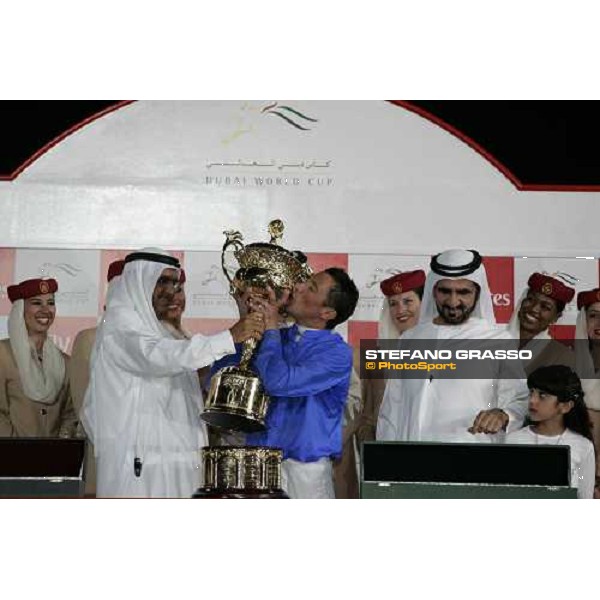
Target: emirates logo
x=547, y=289
x=44, y=287
x=397, y=288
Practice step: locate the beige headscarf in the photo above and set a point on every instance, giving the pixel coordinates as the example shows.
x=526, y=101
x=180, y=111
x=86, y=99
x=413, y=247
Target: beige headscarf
x=41, y=381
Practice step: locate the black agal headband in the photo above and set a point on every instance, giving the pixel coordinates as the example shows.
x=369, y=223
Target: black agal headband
x=456, y=270
x=171, y=261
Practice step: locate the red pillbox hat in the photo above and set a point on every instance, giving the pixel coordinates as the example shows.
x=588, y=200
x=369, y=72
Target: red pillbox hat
x=115, y=269
x=588, y=297
x=403, y=282
x=31, y=287
x=551, y=287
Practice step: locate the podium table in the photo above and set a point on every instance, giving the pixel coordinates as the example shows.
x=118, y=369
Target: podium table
x=42, y=468
x=437, y=470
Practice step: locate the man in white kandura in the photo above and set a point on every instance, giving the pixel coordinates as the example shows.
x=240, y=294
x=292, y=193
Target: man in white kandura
x=141, y=409
x=456, y=305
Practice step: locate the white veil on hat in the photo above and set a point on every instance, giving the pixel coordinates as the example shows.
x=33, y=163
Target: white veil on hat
x=386, y=330
x=41, y=382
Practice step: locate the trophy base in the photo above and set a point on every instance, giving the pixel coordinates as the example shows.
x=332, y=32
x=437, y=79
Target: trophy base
x=232, y=422
x=241, y=472
x=205, y=493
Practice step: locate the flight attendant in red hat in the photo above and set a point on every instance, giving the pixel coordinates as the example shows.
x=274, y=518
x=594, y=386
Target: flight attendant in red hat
x=400, y=312
x=34, y=392
x=587, y=361
x=541, y=305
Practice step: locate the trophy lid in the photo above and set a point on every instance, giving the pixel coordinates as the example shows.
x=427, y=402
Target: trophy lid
x=271, y=263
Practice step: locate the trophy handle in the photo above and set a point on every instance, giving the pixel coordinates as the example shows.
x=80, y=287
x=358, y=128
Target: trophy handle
x=248, y=348
x=234, y=238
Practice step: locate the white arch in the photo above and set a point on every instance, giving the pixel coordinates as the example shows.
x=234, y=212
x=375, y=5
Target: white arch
x=363, y=177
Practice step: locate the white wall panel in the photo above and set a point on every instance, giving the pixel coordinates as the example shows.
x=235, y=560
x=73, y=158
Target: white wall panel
x=365, y=177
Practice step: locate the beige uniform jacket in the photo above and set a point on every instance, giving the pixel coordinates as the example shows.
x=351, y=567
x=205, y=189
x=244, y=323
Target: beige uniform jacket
x=79, y=378
x=79, y=366
x=554, y=353
x=22, y=417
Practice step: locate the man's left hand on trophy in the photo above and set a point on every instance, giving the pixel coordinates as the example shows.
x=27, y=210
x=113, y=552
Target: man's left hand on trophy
x=267, y=304
x=250, y=326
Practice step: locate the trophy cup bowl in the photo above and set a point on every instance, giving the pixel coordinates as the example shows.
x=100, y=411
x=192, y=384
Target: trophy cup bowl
x=236, y=399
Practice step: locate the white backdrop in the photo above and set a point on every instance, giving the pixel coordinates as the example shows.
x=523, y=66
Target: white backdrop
x=364, y=177
x=369, y=186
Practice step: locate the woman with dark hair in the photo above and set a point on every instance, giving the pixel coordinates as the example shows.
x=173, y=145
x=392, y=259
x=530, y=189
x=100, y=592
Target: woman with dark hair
x=558, y=416
x=400, y=312
x=587, y=360
x=35, y=400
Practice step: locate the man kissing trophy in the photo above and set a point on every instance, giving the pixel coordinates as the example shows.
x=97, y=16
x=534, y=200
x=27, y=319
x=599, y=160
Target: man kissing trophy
x=236, y=399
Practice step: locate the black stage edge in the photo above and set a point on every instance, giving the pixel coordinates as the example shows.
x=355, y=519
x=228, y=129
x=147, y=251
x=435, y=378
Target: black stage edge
x=42, y=467
x=501, y=464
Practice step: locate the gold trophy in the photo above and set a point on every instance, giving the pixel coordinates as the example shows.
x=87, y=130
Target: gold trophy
x=241, y=472
x=236, y=399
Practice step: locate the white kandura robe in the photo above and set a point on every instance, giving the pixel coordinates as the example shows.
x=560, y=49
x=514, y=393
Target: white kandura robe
x=144, y=399
x=442, y=410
